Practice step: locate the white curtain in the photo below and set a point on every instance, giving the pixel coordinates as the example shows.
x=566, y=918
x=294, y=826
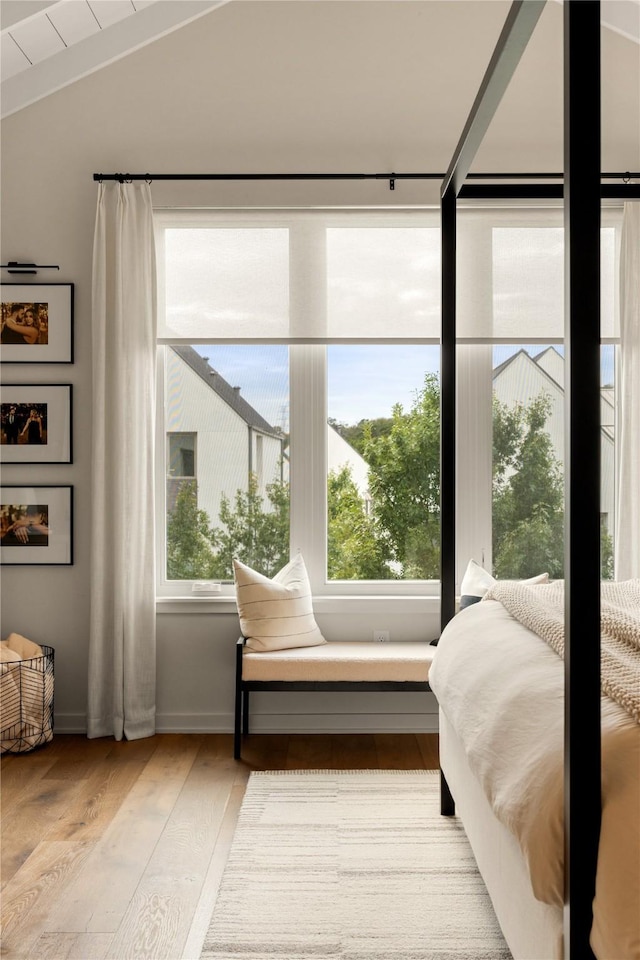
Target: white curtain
x=627, y=545
x=122, y=657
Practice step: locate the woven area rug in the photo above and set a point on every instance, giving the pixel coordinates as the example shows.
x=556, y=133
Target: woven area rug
x=357, y=865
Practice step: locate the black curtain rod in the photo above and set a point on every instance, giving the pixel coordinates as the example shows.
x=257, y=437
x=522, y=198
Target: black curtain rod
x=539, y=191
x=391, y=177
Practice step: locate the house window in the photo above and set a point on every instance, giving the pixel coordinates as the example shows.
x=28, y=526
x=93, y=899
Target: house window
x=181, y=450
x=181, y=466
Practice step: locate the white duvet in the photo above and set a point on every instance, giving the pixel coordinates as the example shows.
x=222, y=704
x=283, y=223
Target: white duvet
x=502, y=687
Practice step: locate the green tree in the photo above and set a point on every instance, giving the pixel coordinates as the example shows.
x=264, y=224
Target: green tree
x=528, y=508
x=190, y=553
x=606, y=553
x=355, y=434
x=404, y=481
x=356, y=551
x=257, y=536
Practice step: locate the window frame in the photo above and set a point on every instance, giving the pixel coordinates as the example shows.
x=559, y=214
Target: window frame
x=308, y=446
x=308, y=411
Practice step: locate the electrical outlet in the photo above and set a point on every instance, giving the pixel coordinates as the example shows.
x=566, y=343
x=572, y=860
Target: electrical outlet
x=381, y=636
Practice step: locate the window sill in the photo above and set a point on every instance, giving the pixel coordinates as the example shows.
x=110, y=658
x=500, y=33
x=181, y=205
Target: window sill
x=322, y=604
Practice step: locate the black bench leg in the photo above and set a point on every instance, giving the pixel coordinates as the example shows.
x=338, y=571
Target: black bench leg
x=237, y=735
x=237, y=719
x=447, y=803
x=245, y=712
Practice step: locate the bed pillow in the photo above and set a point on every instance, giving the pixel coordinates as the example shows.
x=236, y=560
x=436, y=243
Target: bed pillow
x=276, y=614
x=476, y=582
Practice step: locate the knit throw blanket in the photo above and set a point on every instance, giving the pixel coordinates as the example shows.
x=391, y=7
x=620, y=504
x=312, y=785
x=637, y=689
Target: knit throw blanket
x=541, y=609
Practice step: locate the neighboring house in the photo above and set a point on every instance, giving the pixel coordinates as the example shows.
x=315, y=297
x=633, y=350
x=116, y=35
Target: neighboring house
x=522, y=378
x=206, y=415
x=341, y=454
x=215, y=434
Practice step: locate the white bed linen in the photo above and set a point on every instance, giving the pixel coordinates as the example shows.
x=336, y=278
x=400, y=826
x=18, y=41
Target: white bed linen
x=501, y=688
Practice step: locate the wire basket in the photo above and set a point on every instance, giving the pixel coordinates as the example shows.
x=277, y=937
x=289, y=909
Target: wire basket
x=26, y=702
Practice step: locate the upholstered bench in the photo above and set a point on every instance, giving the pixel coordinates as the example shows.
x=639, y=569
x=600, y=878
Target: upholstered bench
x=336, y=665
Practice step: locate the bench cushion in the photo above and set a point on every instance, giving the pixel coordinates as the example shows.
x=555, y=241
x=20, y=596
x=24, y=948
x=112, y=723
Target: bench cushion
x=342, y=661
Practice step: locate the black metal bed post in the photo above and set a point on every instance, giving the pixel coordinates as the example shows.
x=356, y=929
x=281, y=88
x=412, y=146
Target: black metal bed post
x=448, y=410
x=582, y=783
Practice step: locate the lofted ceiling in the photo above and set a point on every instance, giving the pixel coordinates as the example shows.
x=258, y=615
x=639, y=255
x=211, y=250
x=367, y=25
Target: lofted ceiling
x=48, y=45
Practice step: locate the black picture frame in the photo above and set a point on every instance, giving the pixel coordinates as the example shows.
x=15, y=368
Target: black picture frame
x=51, y=308
x=36, y=423
x=36, y=525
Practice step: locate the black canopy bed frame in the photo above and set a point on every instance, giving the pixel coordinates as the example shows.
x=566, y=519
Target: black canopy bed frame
x=583, y=191
x=582, y=186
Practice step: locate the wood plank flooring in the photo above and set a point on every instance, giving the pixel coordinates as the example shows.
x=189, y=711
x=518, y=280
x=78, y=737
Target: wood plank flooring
x=115, y=850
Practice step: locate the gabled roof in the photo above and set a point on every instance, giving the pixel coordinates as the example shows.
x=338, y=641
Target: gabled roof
x=534, y=360
x=605, y=392
x=230, y=395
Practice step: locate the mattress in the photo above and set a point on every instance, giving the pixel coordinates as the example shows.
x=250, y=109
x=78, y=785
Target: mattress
x=501, y=688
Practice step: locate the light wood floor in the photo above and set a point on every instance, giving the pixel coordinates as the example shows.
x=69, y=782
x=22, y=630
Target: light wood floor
x=114, y=850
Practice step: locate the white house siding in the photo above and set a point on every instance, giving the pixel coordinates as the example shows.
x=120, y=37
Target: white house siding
x=521, y=381
x=551, y=361
x=222, y=444
x=341, y=454
x=266, y=456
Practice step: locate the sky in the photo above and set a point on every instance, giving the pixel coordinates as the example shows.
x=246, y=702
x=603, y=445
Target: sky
x=374, y=278
x=364, y=381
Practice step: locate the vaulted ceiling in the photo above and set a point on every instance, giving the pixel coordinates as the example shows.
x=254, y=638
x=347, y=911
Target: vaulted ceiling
x=48, y=44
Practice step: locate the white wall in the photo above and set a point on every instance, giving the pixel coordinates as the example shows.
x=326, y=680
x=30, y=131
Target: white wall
x=257, y=86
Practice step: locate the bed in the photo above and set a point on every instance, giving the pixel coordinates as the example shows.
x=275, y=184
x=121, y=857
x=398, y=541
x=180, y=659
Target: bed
x=498, y=676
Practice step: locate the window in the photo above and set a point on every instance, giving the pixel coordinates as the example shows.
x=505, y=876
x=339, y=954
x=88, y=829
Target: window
x=280, y=334
x=383, y=462
x=299, y=358
x=181, y=449
x=511, y=506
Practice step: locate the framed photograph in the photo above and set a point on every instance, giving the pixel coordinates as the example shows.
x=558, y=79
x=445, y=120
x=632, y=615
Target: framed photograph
x=36, y=525
x=36, y=323
x=35, y=423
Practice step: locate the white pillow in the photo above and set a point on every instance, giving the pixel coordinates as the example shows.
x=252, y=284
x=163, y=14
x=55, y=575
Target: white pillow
x=276, y=614
x=477, y=581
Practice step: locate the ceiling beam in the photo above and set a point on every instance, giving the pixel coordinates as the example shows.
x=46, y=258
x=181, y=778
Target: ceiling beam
x=97, y=51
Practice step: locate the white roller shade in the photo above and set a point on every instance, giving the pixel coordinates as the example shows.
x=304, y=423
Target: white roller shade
x=293, y=276
x=511, y=275
x=367, y=276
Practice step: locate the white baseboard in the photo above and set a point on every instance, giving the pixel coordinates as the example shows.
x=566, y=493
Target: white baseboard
x=302, y=723
x=277, y=723
x=70, y=723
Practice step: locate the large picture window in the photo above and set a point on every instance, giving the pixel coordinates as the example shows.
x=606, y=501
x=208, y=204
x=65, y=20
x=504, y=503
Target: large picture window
x=300, y=393
x=299, y=354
